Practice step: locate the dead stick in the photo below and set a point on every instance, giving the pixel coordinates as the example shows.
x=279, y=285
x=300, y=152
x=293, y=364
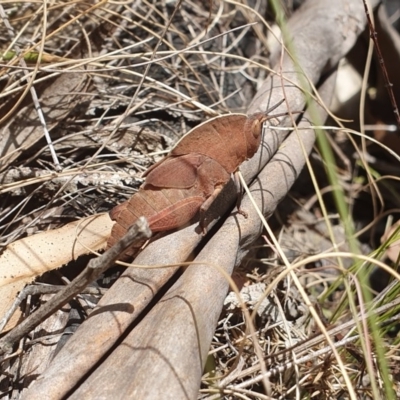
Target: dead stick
x=35, y=290
x=374, y=36
x=140, y=230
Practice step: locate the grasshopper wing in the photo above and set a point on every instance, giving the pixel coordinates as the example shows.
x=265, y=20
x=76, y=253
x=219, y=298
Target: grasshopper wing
x=178, y=172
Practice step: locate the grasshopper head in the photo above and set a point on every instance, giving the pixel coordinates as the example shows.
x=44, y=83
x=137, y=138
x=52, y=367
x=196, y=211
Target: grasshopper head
x=253, y=132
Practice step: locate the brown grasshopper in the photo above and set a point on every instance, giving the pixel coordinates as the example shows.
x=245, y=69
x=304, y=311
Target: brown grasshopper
x=192, y=175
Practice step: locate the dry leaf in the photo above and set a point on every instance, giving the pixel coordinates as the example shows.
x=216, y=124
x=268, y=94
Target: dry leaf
x=24, y=260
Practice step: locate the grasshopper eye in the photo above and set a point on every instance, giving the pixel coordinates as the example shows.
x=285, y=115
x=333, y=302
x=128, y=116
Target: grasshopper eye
x=256, y=128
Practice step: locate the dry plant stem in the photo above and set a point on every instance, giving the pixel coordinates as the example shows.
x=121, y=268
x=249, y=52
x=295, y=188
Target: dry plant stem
x=388, y=84
x=94, y=269
x=33, y=290
x=134, y=290
x=32, y=89
x=189, y=312
x=303, y=350
x=58, y=99
x=389, y=40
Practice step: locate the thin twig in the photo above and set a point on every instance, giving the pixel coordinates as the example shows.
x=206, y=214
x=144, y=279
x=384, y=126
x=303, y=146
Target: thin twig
x=33, y=290
x=374, y=36
x=31, y=88
x=140, y=230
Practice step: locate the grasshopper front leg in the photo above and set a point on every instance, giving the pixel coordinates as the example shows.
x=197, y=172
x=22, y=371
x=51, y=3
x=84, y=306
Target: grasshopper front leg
x=239, y=192
x=205, y=206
